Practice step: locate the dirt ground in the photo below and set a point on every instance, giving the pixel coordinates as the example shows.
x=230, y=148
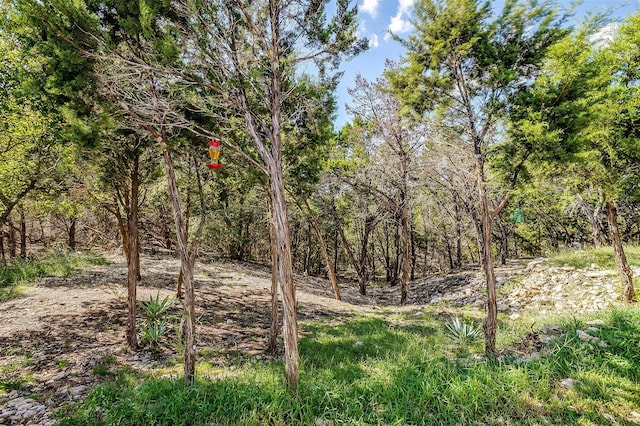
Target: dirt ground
x=61, y=332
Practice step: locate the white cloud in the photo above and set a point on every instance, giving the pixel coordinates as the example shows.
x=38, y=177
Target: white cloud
x=400, y=23
x=374, y=41
x=370, y=7
x=604, y=35
x=405, y=5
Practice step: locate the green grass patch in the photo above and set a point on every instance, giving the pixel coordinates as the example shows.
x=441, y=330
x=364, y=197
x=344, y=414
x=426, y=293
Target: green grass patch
x=18, y=272
x=602, y=257
x=17, y=383
x=12, y=375
x=372, y=370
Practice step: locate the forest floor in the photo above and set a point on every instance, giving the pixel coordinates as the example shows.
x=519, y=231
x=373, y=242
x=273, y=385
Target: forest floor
x=63, y=335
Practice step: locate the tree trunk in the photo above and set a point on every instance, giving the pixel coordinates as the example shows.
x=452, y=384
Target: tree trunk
x=325, y=252
x=397, y=243
x=373, y=259
x=592, y=219
x=449, y=254
x=187, y=262
x=487, y=260
x=335, y=251
x=306, y=266
x=504, y=242
x=387, y=256
x=272, y=345
x=133, y=254
x=23, y=235
x=362, y=279
x=458, y=216
x=3, y=256
x=425, y=256
x=71, y=240
x=128, y=200
x=285, y=274
x=12, y=239
x=621, y=259
x=406, y=253
x=414, y=255
x=363, y=276
x=179, y=286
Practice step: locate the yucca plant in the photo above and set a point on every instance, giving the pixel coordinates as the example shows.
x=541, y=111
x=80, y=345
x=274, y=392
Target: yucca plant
x=152, y=332
x=461, y=332
x=156, y=318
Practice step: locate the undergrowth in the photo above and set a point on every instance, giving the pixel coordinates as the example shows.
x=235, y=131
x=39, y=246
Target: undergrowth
x=18, y=272
x=377, y=370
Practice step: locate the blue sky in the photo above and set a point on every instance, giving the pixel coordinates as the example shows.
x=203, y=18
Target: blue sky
x=379, y=17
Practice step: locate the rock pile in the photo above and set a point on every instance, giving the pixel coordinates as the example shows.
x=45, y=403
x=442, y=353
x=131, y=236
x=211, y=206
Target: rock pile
x=18, y=409
x=537, y=288
x=557, y=290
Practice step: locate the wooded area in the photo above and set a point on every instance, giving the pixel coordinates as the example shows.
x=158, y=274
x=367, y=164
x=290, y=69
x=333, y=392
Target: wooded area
x=500, y=134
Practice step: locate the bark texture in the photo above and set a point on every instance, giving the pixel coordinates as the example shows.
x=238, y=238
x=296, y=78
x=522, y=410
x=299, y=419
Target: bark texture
x=133, y=254
x=486, y=258
x=187, y=252
x=285, y=277
x=272, y=345
x=406, y=253
x=592, y=215
x=629, y=294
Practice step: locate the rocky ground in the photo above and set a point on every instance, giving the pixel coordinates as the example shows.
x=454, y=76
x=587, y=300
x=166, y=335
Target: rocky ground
x=527, y=287
x=63, y=336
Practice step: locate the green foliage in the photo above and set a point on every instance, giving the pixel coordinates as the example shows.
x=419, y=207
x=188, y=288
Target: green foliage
x=462, y=332
x=371, y=370
x=156, y=318
x=459, y=43
x=36, y=115
x=23, y=271
x=581, y=112
x=309, y=138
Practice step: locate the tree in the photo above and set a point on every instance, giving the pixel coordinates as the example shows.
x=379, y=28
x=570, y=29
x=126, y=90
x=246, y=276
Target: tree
x=140, y=100
x=395, y=141
x=351, y=189
x=462, y=66
x=245, y=56
x=32, y=125
x=616, y=132
x=123, y=169
x=583, y=109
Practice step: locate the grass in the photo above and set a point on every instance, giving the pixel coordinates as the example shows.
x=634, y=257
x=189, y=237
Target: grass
x=11, y=368
x=376, y=370
x=602, y=257
x=19, y=272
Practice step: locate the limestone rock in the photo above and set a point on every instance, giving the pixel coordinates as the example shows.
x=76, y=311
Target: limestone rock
x=551, y=329
x=569, y=383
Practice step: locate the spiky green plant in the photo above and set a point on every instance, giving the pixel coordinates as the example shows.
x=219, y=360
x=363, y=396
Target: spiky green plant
x=156, y=318
x=461, y=332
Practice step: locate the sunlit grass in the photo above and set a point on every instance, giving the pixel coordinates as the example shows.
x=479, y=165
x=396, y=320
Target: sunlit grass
x=19, y=272
x=602, y=257
x=375, y=370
